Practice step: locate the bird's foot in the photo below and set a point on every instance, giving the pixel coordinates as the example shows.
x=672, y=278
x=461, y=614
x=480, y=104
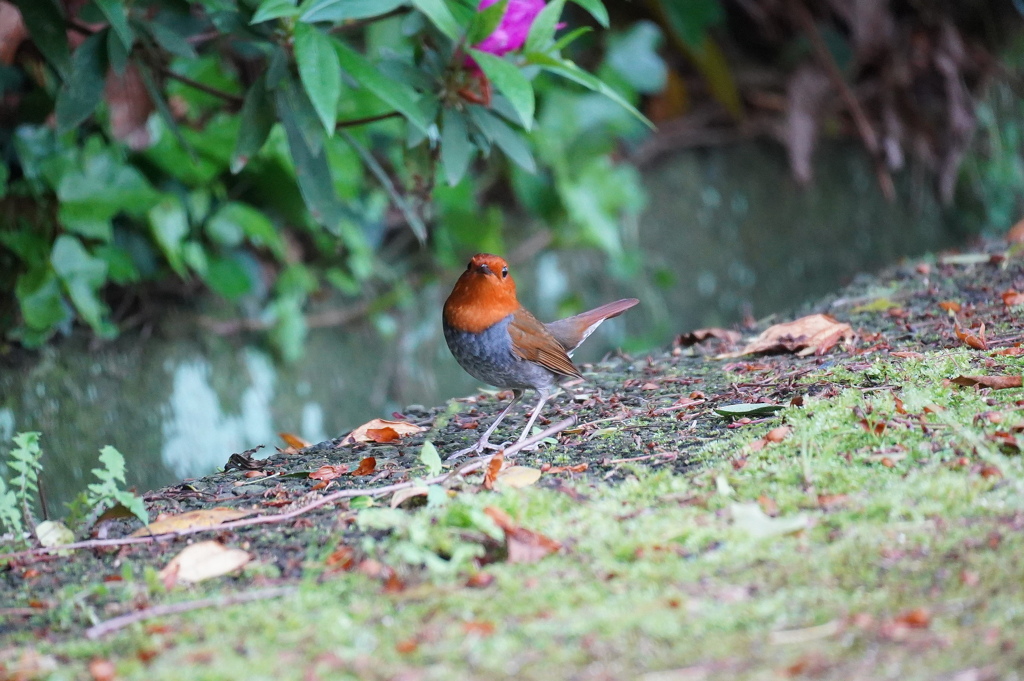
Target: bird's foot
x=475, y=450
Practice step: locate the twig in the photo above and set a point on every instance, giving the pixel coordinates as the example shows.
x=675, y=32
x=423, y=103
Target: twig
x=671, y=456
x=860, y=119
x=352, y=122
x=470, y=465
x=196, y=85
x=112, y=625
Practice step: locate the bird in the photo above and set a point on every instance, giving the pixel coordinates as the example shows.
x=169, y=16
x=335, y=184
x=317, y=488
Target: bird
x=498, y=341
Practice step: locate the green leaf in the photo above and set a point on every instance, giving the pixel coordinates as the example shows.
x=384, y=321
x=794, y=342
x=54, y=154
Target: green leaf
x=692, y=19
x=302, y=114
x=274, y=9
x=569, y=70
x=243, y=219
x=40, y=299
x=288, y=334
x=114, y=11
x=120, y=267
x=169, y=39
x=311, y=168
x=507, y=77
x=439, y=14
x=430, y=458
x=320, y=72
x=81, y=93
x=633, y=53
x=168, y=223
x=456, y=149
x=82, y=276
x=507, y=139
x=228, y=277
x=542, y=31
x=485, y=22
x=570, y=38
x=256, y=120
x=596, y=9
x=117, y=54
x=46, y=23
x=341, y=10
x=394, y=93
x=744, y=409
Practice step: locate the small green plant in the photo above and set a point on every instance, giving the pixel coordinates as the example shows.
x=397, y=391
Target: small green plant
x=17, y=495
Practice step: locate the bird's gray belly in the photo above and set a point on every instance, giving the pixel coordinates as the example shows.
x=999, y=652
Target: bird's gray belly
x=487, y=356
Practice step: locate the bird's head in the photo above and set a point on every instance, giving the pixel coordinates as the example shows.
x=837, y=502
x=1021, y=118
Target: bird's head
x=484, y=295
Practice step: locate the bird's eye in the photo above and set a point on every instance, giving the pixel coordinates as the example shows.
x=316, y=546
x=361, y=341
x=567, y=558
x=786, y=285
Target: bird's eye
x=504, y=272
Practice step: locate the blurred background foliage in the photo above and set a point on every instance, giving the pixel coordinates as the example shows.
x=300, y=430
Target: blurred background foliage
x=308, y=162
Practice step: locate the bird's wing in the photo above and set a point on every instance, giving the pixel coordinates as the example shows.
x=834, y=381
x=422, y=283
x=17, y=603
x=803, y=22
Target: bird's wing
x=533, y=342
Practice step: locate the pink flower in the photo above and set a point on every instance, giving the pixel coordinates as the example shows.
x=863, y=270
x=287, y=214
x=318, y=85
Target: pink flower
x=511, y=32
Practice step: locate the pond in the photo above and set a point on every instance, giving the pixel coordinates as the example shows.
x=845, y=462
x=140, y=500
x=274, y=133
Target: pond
x=726, y=233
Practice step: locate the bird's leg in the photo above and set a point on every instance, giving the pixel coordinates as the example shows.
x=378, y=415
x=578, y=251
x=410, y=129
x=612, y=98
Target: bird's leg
x=544, y=395
x=483, y=442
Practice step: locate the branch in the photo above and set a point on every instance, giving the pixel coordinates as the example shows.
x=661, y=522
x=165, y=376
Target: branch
x=112, y=625
x=352, y=122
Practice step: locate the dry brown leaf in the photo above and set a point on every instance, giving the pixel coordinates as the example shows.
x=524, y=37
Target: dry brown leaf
x=977, y=342
x=329, y=472
x=101, y=669
x=360, y=434
x=12, y=32
x=382, y=435
x=293, y=440
x=1011, y=298
x=1010, y=352
x=918, y=618
x=813, y=334
x=778, y=434
x=478, y=627
x=408, y=493
x=524, y=546
x=517, y=477
x=366, y=466
x=701, y=335
x=207, y=517
x=129, y=106
x=994, y=382
x=950, y=306
x=493, y=468
x=1016, y=233
x=578, y=468
x=907, y=354
x=204, y=560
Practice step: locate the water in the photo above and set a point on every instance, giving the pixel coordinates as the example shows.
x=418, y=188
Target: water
x=726, y=233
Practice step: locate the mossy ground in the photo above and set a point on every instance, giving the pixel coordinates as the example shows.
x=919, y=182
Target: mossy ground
x=880, y=538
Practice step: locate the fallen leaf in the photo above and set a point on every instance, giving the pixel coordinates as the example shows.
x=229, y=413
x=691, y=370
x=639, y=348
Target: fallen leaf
x=918, y=618
x=518, y=476
x=876, y=305
x=343, y=558
x=907, y=354
x=54, y=533
x=493, y=468
x=207, y=517
x=1012, y=298
x=408, y=493
x=701, y=335
x=366, y=466
x=977, y=342
x=360, y=434
x=101, y=669
x=329, y=472
x=382, y=435
x=407, y=646
x=1016, y=233
x=478, y=627
x=950, y=306
x=578, y=468
x=814, y=334
x=752, y=521
x=524, y=546
x=964, y=259
x=205, y=560
x=994, y=382
x=778, y=434
x=294, y=440
x=743, y=409
x=480, y=580
x=1009, y=352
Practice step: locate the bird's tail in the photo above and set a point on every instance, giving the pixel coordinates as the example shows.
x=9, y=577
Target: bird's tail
x=572, y=331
